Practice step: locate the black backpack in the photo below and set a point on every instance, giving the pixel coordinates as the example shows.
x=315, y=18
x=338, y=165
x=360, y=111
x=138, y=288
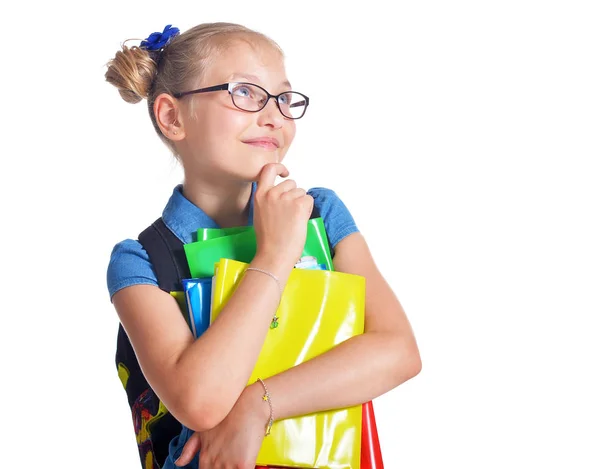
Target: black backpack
x=154, y=426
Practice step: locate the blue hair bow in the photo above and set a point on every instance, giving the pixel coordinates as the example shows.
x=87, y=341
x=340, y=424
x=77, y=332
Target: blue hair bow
x=157, y=41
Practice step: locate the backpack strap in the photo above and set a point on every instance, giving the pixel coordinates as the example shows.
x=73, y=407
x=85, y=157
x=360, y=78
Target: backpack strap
x=166, y=255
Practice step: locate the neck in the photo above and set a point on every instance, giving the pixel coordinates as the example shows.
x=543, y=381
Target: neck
x=227, y=204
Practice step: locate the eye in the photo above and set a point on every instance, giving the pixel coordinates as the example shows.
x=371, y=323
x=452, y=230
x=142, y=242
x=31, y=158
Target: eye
x=284, y=99
x=243, y=90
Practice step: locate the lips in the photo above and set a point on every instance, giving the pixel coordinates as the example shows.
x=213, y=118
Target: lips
x=268, y=143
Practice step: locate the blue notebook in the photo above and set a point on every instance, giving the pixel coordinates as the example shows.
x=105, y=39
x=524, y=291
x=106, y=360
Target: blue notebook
x=198, y=296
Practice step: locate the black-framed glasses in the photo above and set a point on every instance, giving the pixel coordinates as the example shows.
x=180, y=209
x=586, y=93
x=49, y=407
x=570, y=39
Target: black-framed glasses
x=253, y=98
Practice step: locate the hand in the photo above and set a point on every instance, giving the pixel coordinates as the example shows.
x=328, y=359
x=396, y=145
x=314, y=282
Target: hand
x=235, y=442
x=281, y=214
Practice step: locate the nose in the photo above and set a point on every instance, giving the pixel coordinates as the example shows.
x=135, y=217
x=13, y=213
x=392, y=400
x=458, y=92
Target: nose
x=270, y=115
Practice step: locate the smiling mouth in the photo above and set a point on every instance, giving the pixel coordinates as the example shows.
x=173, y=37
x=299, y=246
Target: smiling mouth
x=267, y=145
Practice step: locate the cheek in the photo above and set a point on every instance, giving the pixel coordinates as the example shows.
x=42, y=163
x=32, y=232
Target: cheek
x=289, y=132
x=226, y=127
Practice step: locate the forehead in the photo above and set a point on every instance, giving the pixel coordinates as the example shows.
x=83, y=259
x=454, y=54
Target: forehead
x=254, y=61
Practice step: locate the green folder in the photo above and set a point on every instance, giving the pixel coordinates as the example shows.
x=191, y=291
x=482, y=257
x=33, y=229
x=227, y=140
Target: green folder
x=205, y=234
x=239, y=243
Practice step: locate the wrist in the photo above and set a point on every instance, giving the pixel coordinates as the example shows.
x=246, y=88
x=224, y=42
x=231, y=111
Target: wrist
x=276, y=264
x=254, y=397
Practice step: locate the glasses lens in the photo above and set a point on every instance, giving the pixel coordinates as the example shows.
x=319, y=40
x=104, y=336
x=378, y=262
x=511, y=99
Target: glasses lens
x=248, y=97
x=252, y=98
x=292, y=104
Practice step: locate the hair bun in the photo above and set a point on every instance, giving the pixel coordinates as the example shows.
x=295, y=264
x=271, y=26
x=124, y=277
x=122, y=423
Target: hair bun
x=132, y=71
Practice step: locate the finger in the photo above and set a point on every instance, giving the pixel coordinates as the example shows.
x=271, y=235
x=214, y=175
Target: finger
x=191, y=447
x=282, y=188
x=309, y=202
x=268, y=174
x=294, y=194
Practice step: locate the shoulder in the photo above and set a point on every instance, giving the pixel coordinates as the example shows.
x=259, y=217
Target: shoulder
x=129, y=265
x=337, y=219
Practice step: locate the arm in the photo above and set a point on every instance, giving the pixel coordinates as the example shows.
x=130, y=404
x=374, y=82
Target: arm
x=351, y=373
x=200, y=380
x=360, y=368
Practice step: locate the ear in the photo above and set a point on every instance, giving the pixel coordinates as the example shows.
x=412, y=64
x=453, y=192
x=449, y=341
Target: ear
x=169, y=117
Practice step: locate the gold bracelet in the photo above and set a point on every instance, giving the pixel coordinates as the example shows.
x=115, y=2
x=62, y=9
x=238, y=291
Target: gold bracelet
x=267, y=397
x=275, y=320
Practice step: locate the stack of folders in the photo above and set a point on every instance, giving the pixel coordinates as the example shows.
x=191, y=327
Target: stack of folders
x=320, y=308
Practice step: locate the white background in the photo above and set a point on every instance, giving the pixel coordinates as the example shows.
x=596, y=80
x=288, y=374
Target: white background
x=463, y=137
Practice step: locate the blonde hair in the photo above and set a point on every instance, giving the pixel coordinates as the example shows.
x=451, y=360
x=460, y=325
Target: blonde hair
x=142, y=74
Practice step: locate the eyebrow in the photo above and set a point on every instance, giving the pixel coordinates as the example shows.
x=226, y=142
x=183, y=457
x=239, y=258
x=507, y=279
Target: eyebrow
x=255, y=79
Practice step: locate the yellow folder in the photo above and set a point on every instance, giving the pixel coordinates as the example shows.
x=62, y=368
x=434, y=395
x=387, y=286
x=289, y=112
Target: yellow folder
x=319, y=309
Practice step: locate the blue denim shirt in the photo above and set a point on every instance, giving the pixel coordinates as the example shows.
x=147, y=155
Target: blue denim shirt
x=130, y=264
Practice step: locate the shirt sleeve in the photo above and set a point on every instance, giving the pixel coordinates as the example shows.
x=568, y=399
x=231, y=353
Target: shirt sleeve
x=129, y=265
x=337, y=219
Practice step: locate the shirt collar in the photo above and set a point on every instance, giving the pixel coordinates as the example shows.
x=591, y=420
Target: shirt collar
x=184, y=218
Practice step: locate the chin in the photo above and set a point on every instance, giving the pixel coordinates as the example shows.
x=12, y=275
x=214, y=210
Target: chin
x=263, y=157
x=253, y=170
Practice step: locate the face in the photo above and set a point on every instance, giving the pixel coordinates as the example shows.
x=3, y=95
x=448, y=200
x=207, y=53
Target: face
x=222, y=141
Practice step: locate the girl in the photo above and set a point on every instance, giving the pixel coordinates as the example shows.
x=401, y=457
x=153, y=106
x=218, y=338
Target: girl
x=209, y=96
